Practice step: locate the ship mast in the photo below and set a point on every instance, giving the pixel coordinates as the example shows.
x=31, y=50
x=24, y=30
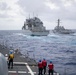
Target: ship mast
x=58, y=22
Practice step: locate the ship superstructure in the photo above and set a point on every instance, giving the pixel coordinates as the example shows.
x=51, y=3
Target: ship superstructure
x=35, y=26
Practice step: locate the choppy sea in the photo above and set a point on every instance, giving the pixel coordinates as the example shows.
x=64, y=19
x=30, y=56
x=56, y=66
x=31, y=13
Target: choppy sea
x=60, y=49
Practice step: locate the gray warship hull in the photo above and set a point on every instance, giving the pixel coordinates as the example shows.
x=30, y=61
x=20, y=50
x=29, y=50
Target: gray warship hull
x=63, y=32
x=36, y=33
x=41, y=33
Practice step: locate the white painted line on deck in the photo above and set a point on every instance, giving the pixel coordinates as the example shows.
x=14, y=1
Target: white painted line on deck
x=20, y=63
x=17, y=72
x=29, y=69
x=28, y=72
x=12, y=71
x=22, y=72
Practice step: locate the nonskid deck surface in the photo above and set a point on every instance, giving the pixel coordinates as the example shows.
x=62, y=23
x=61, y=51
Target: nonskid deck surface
x=22, y=66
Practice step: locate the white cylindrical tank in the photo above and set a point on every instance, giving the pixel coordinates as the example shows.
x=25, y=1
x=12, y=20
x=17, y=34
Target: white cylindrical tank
x=3, y=65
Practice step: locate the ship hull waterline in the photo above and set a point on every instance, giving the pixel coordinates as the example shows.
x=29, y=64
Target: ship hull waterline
x=35, y=33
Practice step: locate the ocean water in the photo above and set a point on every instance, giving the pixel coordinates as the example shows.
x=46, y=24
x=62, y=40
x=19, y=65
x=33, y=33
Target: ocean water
x=60, y=49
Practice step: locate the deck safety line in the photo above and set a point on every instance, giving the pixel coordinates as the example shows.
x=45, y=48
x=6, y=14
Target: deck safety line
x=16, y=71
x=20, y=72
x=12, y=71
x=28, y=67
x=28, y=72
x=20, y=63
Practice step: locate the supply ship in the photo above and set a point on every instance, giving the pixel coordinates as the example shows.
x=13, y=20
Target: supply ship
x=34, y=26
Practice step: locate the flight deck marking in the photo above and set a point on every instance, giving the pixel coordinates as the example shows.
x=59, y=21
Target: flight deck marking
x=12, y=71
x=20, y=72
x=17, y=72
x=19, y=63
x=27, y=72
x=28, y=67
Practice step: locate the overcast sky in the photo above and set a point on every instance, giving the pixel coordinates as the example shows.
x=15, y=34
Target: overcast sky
x=14, y=12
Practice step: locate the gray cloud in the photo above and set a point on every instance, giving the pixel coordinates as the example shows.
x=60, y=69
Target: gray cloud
x=32, y=5
x=4, y=16
x=3, y=6
x=38, y=6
